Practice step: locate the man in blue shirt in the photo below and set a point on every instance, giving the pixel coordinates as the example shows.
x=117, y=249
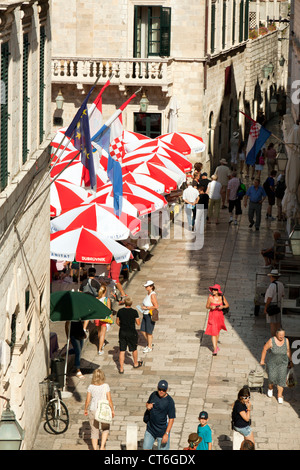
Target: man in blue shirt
x=256, y=195
x=161, y=414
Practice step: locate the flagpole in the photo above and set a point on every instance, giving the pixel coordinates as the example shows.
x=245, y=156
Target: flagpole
x=95, y=83
x=115, y=115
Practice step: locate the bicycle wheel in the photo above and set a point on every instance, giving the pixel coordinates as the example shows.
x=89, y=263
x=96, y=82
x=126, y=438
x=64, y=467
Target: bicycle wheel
x=57, y=416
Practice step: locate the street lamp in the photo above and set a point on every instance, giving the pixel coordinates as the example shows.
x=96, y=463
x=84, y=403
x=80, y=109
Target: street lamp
x=11, y=433
x=267, y=70
x=144, y=103
x=295, y=240
x=273, y=105
x=281, y=160
x=59, y=100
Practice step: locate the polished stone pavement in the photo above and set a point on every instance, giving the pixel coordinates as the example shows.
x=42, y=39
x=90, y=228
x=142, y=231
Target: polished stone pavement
x=182, y=353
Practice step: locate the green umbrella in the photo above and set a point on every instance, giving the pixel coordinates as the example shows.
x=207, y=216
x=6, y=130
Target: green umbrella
x=75, y=306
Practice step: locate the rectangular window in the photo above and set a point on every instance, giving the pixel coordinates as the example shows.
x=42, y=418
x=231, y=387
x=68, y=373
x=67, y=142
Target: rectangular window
x=148, y=124
x=4, y=115
x=42, y=84
x=224, y=25
x=246, y=30
x=152, y=31
x=241, y=33
x=233, y=21
x=25, y=150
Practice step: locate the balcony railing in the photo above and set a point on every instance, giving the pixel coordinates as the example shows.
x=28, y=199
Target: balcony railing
x=126, y=72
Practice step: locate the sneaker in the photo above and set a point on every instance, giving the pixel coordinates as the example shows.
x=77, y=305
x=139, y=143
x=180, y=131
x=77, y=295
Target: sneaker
x=100, y=353
x=230, y=220
x=270, y=393
x=147, y=349
x=280, y=400
x=251, y=224
x=235, y=222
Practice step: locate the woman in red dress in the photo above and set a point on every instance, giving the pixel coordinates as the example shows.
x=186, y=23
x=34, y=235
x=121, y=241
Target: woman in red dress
x=215, y=303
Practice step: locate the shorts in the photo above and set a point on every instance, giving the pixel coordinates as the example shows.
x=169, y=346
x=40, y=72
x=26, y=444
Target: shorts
x=235, y=204
x=234, y=157
x=128, y=339
x=271, y=199
x=147, y=324
x=96, y=426
x=246, y=431
x=259, y=167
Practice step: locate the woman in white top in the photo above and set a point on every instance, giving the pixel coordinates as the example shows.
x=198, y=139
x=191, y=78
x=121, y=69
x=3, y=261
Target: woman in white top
x=147, y=326
x=98, y=390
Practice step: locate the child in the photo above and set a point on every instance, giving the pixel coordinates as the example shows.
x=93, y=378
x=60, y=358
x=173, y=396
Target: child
x=204, y=432
x=193, y=441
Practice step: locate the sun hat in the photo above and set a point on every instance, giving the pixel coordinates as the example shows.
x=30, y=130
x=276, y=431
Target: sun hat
x=274, y=273
x=148, y=283
x=194, y=439
x=163, y=384
x=217, y=287
x=223, y=161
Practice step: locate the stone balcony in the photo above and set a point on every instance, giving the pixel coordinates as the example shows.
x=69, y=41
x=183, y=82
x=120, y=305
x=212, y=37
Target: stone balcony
x=125, y=72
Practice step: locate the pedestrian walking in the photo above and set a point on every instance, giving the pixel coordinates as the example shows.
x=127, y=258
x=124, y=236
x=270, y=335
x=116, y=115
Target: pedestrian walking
x=77, y=335
x=234, y=202
x=223, y=172
x=147, y=326
x=216, y=302
x=159, y=416
x=279, y=360
x=241, y=414
x=127, y=320
x=204, y=432
x=101, y=325
x=271, y=157
x=242, y=156
x=259, y=162
x=97, y=391
x=90, y=286
x=214, y=192
x=256, y=195
x=273, y=298
x=190, y=198
x=269, y=187
x=234, y=149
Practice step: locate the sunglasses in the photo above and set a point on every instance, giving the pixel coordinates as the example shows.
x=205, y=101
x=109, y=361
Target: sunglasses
x=161, y=390
x=246, y=398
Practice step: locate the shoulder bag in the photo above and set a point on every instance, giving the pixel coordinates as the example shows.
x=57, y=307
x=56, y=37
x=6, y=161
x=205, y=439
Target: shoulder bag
x=274, y=309
x=103, y=413
x=154, y=314
x=224, y=310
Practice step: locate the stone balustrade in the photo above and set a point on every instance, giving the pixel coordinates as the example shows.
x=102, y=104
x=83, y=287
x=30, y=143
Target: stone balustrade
x=125, y=72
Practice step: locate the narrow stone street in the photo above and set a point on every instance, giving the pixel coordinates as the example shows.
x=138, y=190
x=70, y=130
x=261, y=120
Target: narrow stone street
x=182, y=353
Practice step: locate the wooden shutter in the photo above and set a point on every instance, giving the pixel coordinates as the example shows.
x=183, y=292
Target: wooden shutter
x=246, y=30
x=25, y=150
x=42, y=84
x=4, y=114
x=213, y=28
x=165, y=32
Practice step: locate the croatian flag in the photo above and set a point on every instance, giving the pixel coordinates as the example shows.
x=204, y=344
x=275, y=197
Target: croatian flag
x=257, y=137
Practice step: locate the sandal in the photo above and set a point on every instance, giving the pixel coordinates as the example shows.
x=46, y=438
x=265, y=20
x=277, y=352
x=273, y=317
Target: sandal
x=140, y=363
x=121, y=372
x=122, y=299
x=79, y=375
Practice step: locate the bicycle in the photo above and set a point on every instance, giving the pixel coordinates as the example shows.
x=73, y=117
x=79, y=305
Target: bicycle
x=56, y=411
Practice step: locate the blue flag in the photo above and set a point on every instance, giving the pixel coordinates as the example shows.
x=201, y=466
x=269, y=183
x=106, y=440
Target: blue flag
x=72, y=127
x=82, y=141
x=114, y=169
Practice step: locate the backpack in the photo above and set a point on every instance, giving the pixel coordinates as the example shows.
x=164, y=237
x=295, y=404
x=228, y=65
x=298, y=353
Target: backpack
x=280, y=189
x=241, y=191
x=89, y=289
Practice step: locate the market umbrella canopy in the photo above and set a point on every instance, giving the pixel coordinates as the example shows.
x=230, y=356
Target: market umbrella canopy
x=100, y=218
x=74, y=173
x=184, y=142
x=65, y=196
x=132, y=140
x=86, y=246
x=76, y=306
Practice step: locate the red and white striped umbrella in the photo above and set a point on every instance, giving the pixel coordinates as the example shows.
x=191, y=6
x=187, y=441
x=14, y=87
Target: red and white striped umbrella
x=74, y=173
x=133, y=140
x=133, y=205
x=60, y=137
x=86, y=246
x=172, y=161
x=184, y=142
x=145, y=180
x=171, y=180
x=146, y=193
x=100, y=218
x=65, y=196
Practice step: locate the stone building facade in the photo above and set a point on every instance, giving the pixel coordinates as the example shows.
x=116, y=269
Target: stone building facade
x=25, y=39
x=194, y=56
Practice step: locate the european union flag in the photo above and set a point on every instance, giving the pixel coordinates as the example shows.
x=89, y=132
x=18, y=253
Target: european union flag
x=82, y=141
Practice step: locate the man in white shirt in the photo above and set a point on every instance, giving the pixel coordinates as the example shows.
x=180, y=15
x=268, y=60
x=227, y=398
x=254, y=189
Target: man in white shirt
x=223, y=172
x=190, y=197
x=273, y=295
x=214, y=193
